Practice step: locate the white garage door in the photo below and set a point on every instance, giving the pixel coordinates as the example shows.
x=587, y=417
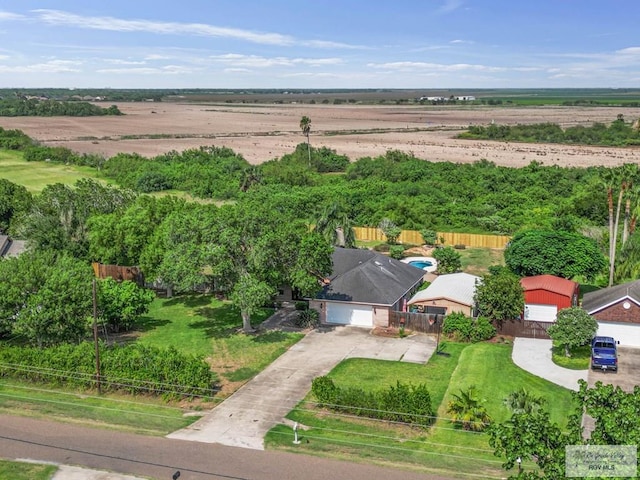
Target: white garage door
x=540, y=313
x=627, y=334
x=345, y=314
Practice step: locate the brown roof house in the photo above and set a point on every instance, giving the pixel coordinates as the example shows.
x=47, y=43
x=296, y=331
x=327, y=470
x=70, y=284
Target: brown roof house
x=365, y=287
x=617, y=310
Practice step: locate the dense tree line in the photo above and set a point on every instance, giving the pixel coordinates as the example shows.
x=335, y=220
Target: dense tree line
x=619, y=133
x=33, y=107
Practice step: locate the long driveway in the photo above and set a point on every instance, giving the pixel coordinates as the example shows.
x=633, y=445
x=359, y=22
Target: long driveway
x=244, y=418
x=534, y=356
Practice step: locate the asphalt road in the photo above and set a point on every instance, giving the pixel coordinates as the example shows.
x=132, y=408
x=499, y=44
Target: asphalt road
x=159, y=458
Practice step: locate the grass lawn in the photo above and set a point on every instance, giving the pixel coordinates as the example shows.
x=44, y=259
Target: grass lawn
x=144, y=415
x=477, y=261
x=25, y=471
x=580, y=358
x=205, y=326
x=444, y=448
x=37, y=175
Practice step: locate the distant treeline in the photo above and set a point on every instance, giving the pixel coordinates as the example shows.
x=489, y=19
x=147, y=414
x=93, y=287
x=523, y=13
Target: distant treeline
x=620, y=133
x=34, y=107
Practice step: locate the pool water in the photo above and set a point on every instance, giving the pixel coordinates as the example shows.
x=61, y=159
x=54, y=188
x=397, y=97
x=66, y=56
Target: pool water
x=421, y=264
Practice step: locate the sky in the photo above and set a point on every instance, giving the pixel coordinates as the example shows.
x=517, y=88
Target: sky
x=320, y=44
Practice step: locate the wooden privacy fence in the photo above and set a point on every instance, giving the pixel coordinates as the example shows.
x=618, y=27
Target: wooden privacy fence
x=416, y=322
x=525, y=328
x=450, y=238
x=118, y=272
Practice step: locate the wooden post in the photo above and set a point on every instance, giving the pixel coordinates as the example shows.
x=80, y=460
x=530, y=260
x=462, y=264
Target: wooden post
x=95, y=336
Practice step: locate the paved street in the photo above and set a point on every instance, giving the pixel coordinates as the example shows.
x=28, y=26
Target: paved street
x=159, y=458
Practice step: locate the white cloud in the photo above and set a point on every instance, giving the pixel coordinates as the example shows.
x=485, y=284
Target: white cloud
x=156, y=57
x=10, y=16
x=53, y=66
x=417, y=66
x=166, y=70
x=117, y=61
x=464, y=42
x=255, y=61
x=60, y=18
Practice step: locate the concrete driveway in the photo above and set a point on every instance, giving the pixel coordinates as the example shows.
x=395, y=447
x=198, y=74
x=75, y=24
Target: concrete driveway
x=534, y=356
x=244, y=418
x=628, y=375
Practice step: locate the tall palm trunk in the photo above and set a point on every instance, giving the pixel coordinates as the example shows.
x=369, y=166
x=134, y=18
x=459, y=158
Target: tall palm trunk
x=611, y=242
x=614, y=241
x=625, y=227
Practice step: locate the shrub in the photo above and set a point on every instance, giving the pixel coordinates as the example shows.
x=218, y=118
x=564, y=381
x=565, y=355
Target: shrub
x=301, y=305
x=396, y=251
x=429, y=237
x=308, y=318
x=382, y=247
x=400, y=403
x=483, y=329
x=464, y=329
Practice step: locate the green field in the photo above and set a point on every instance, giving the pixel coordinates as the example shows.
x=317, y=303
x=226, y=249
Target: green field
x=25, y=471
x=37, y=175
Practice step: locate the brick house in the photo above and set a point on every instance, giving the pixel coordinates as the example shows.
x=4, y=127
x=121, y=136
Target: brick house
x=617, y=310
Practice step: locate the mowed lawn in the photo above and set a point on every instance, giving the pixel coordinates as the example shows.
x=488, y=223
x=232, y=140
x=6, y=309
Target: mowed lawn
x=25, y=471
x=444, y=448
x=34, y=176
x=210, y=328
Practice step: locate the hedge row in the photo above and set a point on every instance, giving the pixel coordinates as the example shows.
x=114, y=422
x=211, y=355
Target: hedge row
x=461, y=328
x=134, y=368
x=400, y=403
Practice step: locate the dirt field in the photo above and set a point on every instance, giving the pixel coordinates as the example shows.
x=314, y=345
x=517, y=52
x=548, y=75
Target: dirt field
x=263, y=132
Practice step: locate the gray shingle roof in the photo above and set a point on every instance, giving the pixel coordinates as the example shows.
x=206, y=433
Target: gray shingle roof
x=595, y=301
x=458, y=287
x=364, y=276
x=11, y=248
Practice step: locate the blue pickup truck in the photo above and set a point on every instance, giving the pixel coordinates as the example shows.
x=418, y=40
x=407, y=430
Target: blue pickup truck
x=604, y=354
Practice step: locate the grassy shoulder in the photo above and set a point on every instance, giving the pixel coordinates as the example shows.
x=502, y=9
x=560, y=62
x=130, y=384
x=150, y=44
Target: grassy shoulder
x=579, y=360
x=444, y=448
x=25, y=471
x=196, y=324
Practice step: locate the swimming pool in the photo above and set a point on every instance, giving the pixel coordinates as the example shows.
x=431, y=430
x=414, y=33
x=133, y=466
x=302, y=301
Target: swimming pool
x=428, y=264
x=421, y=264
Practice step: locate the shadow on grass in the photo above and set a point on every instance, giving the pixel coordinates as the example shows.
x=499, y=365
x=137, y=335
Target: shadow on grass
x=191, y=301
x=274, y=336
x=144, y=324
x=219, y=322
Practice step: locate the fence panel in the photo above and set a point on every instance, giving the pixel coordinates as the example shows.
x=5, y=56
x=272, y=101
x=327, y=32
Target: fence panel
x=450, y=238
x=416, y=322
x=526, y=329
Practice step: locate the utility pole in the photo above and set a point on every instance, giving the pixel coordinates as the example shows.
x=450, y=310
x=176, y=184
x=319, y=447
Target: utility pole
x=95, y=336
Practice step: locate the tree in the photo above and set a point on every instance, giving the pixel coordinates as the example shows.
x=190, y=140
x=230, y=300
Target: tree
x=523, y=401
x=573, y=328
x=15, y=200
x=449, y=259
x=390, y=230
x=121, y=304
x=305, y=126
x=45, y=298
x=560, y=253
x=500, y=296
x=532, y=436
x=467, y=409
x=429, y=237
x=335, y=227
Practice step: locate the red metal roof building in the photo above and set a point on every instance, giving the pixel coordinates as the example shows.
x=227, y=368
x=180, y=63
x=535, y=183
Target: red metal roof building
x=543, y=292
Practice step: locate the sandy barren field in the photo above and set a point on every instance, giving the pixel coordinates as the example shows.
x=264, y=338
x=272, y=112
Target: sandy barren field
x=263, y=132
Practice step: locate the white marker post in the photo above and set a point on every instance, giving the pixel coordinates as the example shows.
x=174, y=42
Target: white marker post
x=295, y=434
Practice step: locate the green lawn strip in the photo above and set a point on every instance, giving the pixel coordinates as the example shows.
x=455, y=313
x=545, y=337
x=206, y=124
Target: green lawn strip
x=380, y=442
x=477, y=261
x=205, y=326
x=37, y=175
x=25, y=470
x=580, y=358
x=146, y=415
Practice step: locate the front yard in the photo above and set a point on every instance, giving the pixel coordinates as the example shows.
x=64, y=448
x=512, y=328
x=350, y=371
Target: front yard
x=444, y=448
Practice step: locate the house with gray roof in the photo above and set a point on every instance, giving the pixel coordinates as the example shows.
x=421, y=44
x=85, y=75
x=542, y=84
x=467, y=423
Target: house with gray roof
x=617, y=310
x=447, y=294
x=364, y=287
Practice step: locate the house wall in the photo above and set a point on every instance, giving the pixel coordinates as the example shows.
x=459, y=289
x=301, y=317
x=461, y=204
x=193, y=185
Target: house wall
x=381, y=316
x=285, y=294
x=618, y=314
x=321, y=308
x=545, y=297
x=450, y=305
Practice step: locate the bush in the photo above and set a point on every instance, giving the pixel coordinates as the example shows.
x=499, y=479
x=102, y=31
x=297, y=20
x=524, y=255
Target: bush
x=396, y=251
x=429, y=237
x=382, y=248
x=464, y=329
x=400, y=403
x=301, y=305
x=308, y=318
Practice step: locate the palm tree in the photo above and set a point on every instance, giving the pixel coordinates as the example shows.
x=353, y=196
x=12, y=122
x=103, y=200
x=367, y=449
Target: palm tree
x=336, y=227
x=250, y=176
x=305, y=126
x=522, y=401
x=468, y=410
